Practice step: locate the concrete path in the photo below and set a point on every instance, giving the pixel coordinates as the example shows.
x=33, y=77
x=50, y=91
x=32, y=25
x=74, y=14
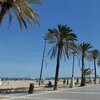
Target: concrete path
x=90, y=92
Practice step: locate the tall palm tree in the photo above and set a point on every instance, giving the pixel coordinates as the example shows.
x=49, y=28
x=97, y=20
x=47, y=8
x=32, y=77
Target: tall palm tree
x=22, y=9
x=63, y=40
x=83, y=50
x=94, y=55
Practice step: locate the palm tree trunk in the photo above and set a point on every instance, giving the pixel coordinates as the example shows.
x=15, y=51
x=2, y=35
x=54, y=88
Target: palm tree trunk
x=95, y=72
x=57, y=68
x=83, y=81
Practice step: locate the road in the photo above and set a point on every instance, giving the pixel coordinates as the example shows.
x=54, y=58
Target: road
x=90, y=92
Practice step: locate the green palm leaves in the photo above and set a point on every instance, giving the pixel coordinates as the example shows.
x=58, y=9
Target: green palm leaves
x=94, y=54
x=87, y=71
x=24, y=12
x=34, y=1
x=84, y=48
x=61, y=37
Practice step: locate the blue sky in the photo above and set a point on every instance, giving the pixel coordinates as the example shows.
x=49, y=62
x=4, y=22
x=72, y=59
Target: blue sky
x=21, y=50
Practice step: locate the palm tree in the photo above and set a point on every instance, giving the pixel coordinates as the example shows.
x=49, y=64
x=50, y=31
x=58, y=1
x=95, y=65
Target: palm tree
x=22, y=9
x=63, y=40
x=83, y=50
x=94, y=55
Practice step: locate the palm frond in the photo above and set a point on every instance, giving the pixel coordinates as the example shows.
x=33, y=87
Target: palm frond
x=4, y=9
x=22, y=8
x=94, y=54
x=52, y=52
x=87, y=71
x=10, y=18
x=66, y=47
x=34, y=1
x=84, y=47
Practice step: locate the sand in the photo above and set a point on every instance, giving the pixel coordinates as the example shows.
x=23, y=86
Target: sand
x=26, y=83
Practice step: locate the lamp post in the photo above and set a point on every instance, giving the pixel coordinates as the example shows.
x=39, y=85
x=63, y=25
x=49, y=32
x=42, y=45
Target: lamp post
x=42, y=63
x=72, y=79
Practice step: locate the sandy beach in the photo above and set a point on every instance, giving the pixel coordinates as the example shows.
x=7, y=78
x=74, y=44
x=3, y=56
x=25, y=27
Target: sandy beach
x=23, y=85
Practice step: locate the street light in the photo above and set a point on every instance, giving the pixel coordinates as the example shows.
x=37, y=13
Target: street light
x=42, y=63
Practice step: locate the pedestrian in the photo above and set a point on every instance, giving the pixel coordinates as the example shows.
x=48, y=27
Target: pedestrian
x=64, y=81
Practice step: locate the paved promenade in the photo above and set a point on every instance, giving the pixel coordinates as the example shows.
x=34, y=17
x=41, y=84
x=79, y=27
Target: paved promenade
x=90, y=92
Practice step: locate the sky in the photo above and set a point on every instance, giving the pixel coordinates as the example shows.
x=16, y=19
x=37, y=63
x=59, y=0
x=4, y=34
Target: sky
x=21, y=50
